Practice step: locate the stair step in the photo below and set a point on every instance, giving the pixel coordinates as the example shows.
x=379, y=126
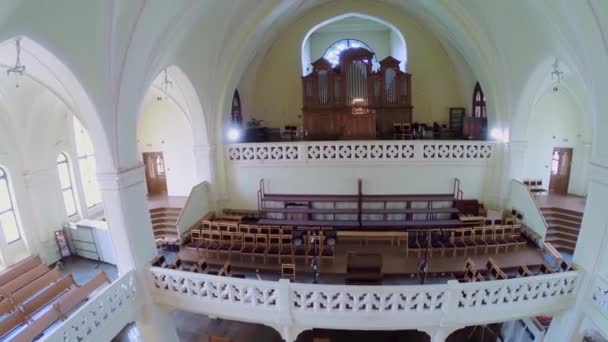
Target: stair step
x=563, y=235
x=563, y=223
x=166, y=210
x=164, y=220
x=556, y=241
x=562, y=211
x=568, y=218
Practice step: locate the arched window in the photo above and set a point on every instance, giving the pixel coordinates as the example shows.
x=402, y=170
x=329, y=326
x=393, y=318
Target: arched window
x=67, y=189
x=332, y=54
x=479, y=102
x=87, y=165
x=236, y=115
x=8, y=219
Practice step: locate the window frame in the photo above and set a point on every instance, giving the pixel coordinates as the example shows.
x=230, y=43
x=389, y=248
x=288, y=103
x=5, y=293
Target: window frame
x=479, y=104
x=12, y=209
x=66, y=161
x=374, y=61
x=83, y=160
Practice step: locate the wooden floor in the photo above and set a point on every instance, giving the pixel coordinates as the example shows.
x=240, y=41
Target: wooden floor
x=569, y=202
x=166, y=201
x=395, y=262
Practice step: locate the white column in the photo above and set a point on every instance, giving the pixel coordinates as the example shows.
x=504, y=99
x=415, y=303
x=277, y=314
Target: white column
x=126, y=212
x=590, y=255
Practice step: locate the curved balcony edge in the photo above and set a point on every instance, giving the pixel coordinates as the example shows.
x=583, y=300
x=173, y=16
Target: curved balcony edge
x=294, y=307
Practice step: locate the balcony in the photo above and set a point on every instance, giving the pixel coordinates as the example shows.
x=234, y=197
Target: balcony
x=291, y=308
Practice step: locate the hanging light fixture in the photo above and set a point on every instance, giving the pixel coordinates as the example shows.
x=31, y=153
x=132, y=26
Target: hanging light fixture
x=19, y=69
x=556, y=76
x=165, y=86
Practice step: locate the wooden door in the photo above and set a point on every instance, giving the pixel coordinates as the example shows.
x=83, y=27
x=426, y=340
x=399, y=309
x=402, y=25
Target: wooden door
x=561, y=163
x=156, y=179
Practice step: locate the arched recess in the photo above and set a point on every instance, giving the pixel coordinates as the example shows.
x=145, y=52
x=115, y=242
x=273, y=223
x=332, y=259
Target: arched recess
x=43, y=67
x=538, y=124
x=171, y=121
x=400, y=50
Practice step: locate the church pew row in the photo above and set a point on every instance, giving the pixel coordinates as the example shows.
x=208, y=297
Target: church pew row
x=23, y=280
x=494, y=272
x=53, y=305
x=9, y=304
x=19, y=268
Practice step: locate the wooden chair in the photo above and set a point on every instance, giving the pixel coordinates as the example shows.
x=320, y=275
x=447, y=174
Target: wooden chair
x=286, y=248
x=159, y=261
x=546, y=269
x=237, y=245
x=469, y=240
x=490, y=240
x=206, y=225
x=261, y=246
x=479, y=237
x=233, y=228
x=274, y=247
x=226, y=270
x=286, y=230
x=524, y=271
x=254, y=229
x=275, y=230
x=436, y=243
x=499, y=236
x=302, y=251
x=288, y=271
x=200, y=266
x=458, y=243
x=225, y=243
x=204, y=242
x=397, y=130
x=469, y=264
x=177, y=265
x=264, y=230
x=214, y=243
x=214, y=226
x=407, y=131
x=248, y=245
x=244, y=228
x=326, y=251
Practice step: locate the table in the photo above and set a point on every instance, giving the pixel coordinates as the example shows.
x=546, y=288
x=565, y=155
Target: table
x=376, y=236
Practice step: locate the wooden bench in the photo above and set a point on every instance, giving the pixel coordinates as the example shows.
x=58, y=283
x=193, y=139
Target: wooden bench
x=555, y=254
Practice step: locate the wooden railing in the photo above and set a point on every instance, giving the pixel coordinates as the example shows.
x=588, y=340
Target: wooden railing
x=294, y=307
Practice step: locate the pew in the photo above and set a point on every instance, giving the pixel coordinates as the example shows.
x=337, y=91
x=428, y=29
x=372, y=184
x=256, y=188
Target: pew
x=22, y=280
x=19, y=268
x=9, y=304
x=524, y=271
x=555, y=254
x=21, y=315
x=61, y=308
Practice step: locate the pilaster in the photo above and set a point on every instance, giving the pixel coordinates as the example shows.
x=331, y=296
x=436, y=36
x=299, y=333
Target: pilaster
x=128, y=217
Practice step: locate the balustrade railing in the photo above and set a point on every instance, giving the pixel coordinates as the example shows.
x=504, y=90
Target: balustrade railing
x=102, y=317
x=600, y=295
x=292, y=307
x=396, y=150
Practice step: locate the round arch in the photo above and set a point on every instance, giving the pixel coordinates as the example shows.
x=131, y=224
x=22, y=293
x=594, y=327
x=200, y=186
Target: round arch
x=401, y=55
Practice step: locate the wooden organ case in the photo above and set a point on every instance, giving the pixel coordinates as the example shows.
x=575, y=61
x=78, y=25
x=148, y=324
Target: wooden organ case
x=351, y=101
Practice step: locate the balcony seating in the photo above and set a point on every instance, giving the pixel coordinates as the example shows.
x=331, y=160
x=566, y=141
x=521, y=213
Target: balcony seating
x=288, y=271
x=32, y=294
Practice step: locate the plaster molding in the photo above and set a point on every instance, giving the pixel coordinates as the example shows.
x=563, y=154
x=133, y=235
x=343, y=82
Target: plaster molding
x=123, y=179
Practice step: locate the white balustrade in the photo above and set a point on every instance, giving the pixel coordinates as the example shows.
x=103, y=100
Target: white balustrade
x=295, y=307
x=102, y=317
x=396, y=150
x=600, y=295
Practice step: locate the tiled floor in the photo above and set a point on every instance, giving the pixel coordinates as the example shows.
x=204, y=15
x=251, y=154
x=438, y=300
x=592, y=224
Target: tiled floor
x=84, y=269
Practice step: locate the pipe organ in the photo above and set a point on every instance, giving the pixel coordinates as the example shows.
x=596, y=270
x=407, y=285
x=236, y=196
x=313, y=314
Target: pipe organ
x=350, y=101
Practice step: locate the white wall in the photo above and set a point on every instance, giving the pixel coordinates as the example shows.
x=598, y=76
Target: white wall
x=556, y=121
x=397, y=49
x=334, y=178
x=163, y=127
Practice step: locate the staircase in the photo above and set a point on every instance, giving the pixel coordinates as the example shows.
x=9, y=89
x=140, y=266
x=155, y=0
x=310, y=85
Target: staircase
x=563, y=226
x=164, y=222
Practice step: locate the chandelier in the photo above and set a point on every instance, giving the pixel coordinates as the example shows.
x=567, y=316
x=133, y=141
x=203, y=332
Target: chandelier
x=19, y=69
x=556, y=76
x=165, y=86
